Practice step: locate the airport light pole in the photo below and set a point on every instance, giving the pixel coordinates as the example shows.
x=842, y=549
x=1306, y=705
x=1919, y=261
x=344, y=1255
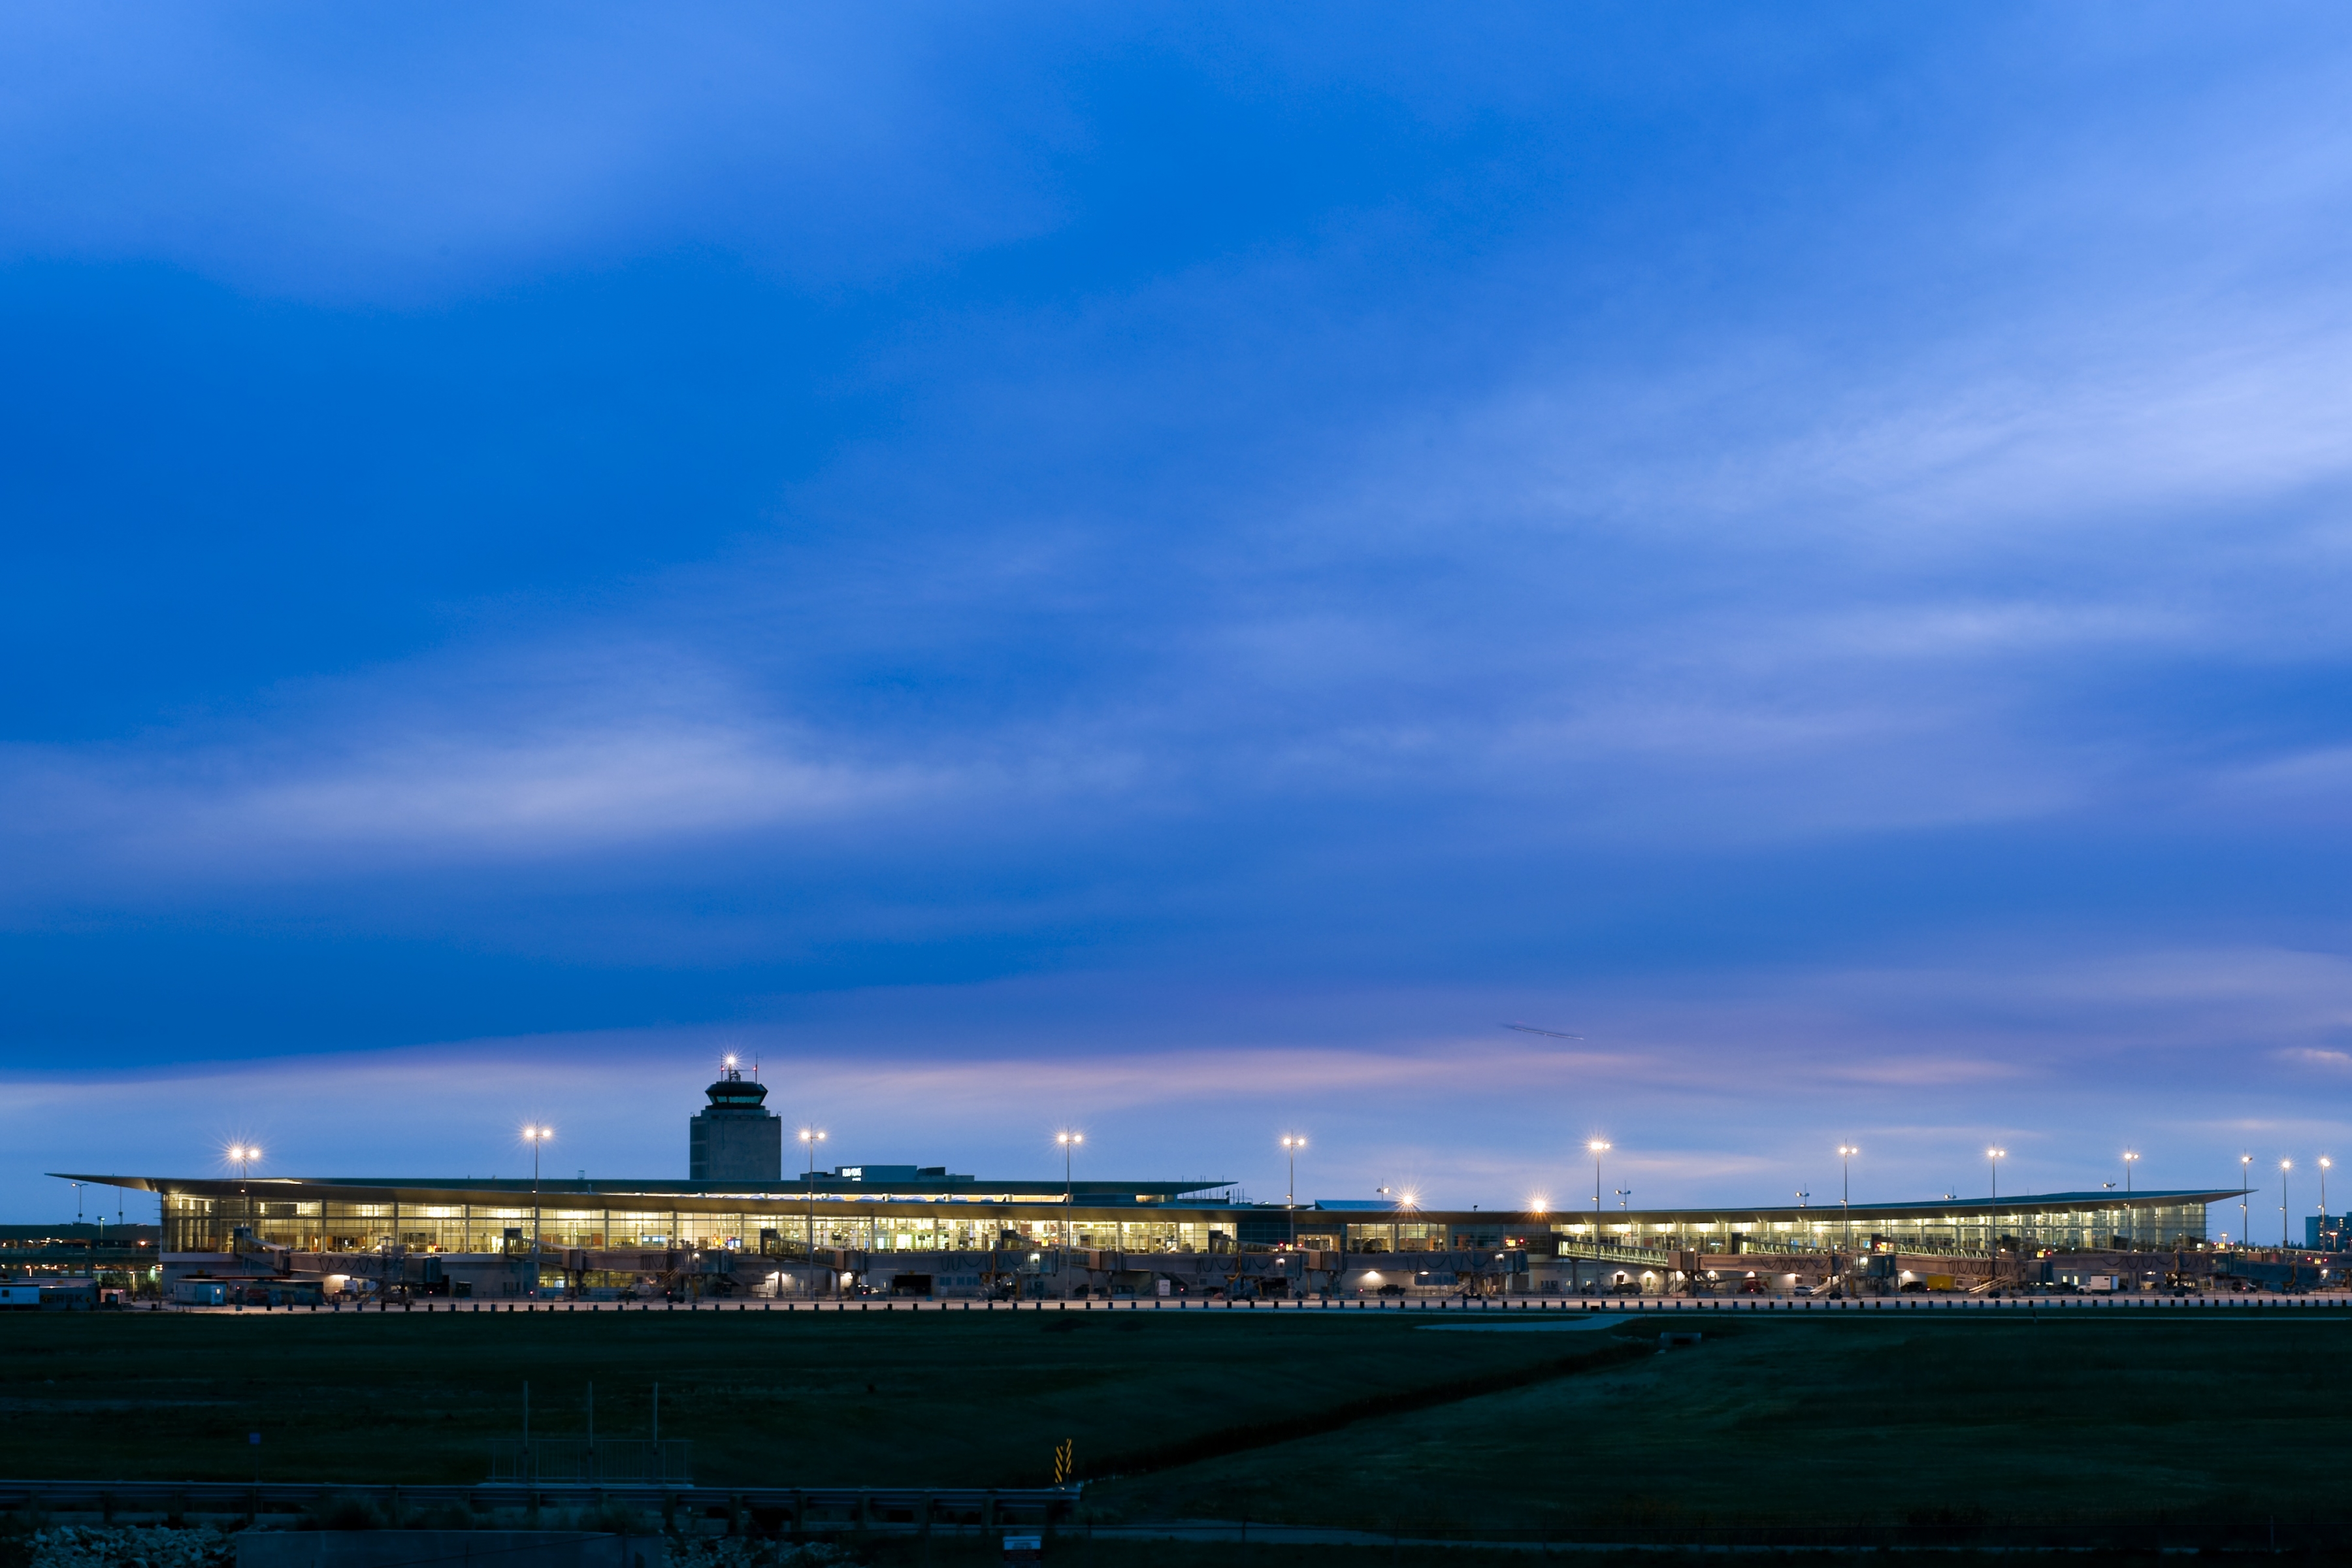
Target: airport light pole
x=1992, y=1213
x=2285, y=1167
x=1599, y=1148
x=1846, y=1152
x=2324, y=1164
x=241, y=1155
x=2245, y=1187
x=2130, y=1159
x=537, y=1138
x=1069, y=1142
x=810, y=1137
x=1291, y=1146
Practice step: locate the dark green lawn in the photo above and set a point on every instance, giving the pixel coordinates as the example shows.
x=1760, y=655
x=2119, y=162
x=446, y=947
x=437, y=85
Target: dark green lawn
x=1864, y=1420
x=870, y=1398
x=1844, y=1419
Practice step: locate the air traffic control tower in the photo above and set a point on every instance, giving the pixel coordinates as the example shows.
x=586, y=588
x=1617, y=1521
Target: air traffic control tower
x=734, y=1138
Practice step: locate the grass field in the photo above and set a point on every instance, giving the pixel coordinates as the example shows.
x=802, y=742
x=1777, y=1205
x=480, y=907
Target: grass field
x=1371, y=1421
x=1940, y=1417
x=859, y=1398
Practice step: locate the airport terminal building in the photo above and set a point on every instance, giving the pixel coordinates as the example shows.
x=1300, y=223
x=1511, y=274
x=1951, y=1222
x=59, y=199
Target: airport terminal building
x=739, y=1226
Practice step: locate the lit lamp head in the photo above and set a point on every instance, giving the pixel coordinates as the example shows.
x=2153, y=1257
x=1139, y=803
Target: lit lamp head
x=1847, y=1151
x=1294, y=1143
x=812, y=1135
x=1597, y=1147
x=1067, y=1138
x=537, y=1134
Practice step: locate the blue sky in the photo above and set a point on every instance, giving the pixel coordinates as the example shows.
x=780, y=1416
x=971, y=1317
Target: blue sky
x=1172, y=569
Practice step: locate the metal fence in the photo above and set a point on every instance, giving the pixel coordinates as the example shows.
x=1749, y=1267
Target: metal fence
x=526, y=1462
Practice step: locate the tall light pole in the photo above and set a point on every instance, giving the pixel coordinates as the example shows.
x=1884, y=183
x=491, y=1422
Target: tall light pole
x=1846, y=1152
x=810, y=1137
x=2285, y=1166
x=1291, y=1146
x=2324, y=1164
x=243, y=1155
x=2245, y=1187
x=2130, y=1159
x=1069, y=1142
x=1993, y=1213
x=537, y=1138
x=1599, y=1148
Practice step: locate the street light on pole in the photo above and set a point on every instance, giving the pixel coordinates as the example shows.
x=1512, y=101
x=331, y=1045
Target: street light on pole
x=1599, y=1148
x=2245, y=1189
x=2324, y=1164
x=2285, y=1167
x=1291, y=1146
x=1846, y=1152
x=537, y=1138
x=2130, y=1159
x=1069, y=1142
x=810, y=1137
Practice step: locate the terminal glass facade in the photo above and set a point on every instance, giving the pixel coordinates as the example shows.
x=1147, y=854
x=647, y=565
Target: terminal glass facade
x=193, y=1223
x=1967, y=1234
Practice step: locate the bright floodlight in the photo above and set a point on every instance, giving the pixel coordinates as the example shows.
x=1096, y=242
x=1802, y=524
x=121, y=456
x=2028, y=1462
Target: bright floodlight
x=1288, y=1142
x=537, y=1134
x=2287, y=1165
x=1995, y=1153
x=1597, y=1146
x=1067, y=1138
x=1847, y=1151
x=811, y=1135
